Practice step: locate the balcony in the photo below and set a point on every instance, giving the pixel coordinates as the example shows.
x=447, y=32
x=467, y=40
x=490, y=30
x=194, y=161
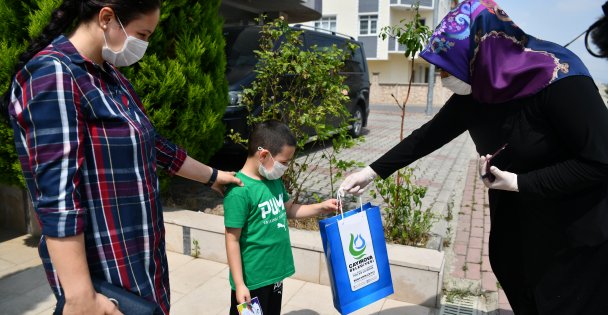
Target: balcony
x=239, y=12
x=407, y=4
x=395, y=48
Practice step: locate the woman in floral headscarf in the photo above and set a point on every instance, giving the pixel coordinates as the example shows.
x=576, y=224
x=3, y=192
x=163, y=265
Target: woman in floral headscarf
x=549, y=186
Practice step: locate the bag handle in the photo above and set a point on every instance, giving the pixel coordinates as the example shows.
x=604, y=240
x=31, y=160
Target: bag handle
x=339, y=197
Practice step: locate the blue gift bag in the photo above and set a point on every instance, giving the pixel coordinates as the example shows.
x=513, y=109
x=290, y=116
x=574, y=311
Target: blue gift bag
x=357, y=261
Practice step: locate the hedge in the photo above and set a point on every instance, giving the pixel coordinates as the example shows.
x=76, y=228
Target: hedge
x=181, y=80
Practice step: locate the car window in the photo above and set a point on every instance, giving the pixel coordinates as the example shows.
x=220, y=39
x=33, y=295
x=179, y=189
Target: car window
x=240, y=57
x=322, y=41
x=355, y=61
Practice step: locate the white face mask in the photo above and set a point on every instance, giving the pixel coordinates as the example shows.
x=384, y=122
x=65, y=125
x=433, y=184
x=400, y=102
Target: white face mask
x=132, y=50
x=275, y=172
x=456, y=85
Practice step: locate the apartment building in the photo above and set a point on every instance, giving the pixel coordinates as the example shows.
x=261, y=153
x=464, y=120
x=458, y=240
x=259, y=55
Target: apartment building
x=389, y=69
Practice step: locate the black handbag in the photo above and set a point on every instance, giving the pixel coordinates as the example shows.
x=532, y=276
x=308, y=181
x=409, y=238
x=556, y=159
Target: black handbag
x=128, y=303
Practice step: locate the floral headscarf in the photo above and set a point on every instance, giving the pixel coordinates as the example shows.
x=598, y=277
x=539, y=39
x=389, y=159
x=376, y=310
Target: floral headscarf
x=478, y=43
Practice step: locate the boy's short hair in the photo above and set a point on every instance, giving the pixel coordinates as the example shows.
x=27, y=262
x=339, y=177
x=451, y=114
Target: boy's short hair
x=271, y=135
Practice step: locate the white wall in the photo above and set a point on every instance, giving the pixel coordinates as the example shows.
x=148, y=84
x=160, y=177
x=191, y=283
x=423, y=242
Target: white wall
x=347, y=17
x=397, y=69
x=384, y=19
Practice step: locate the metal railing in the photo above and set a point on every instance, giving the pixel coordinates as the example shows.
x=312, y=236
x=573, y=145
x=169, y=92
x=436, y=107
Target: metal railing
x=423, y=3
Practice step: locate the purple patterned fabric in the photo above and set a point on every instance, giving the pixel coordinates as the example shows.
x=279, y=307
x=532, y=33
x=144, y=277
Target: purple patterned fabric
x=478, y=43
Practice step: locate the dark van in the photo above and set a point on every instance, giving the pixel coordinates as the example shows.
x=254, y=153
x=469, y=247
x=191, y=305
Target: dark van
x=242, y=41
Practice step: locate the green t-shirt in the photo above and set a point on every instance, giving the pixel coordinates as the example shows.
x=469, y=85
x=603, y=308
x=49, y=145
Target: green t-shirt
x=258, y=208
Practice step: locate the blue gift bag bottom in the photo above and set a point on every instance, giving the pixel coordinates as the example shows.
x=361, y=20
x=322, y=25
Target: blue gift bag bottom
x=360, y=303
x=345, y=300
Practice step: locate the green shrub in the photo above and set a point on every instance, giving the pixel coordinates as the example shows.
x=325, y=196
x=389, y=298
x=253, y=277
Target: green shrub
x=180, y=80
x=302, y=88
x=18, y=21
x=405, y=222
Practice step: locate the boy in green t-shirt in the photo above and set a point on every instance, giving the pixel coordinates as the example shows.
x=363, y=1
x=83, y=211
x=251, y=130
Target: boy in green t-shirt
x=255, y=216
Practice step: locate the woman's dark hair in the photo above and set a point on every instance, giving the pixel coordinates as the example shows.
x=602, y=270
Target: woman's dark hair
x=599, y=36
x=69, y=14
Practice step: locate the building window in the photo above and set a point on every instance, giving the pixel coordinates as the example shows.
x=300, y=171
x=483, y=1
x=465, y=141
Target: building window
x=326, y=23
x=368, y=24
x=421, y=74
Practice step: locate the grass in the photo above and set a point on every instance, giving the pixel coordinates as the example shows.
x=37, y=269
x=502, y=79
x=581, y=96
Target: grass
x=196, y=249
x=451, y=295
x=447, y=241
x=450, y=216
x=310, y=224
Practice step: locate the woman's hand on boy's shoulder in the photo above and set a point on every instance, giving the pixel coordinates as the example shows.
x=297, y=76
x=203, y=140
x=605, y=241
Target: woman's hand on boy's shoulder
x=329, y=206
x=225, y=179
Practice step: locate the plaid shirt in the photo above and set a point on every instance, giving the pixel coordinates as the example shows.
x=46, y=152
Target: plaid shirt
x=89, y=156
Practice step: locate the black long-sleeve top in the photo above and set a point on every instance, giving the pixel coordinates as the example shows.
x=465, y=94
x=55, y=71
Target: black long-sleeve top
x=557, y=143
x=558, y=139
x=558, y=147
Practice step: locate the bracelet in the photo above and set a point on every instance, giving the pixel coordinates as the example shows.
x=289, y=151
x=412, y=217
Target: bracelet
x=213, y=177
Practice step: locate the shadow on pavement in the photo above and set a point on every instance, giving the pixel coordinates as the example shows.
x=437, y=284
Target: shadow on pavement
x=7, y=235
x=228, y=161
x=31, y=241
x=187, y=194
x=26, y=291
x=405, y=310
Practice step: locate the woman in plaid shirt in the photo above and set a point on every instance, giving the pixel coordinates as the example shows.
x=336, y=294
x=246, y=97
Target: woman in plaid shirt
x=89, y=154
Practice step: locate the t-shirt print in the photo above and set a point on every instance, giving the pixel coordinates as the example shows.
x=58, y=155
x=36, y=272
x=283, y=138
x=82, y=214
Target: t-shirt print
x=273, y=211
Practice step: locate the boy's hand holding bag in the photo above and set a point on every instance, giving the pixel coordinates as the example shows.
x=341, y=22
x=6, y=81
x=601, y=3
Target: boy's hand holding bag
x=357, y=261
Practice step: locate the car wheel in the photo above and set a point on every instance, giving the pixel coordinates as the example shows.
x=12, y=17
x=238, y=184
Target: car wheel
x=356, y=126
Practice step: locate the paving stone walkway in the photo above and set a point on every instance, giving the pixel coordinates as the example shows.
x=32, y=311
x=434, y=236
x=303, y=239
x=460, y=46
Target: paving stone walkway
x=470, y=248
x=450, y=174
x=198, y=287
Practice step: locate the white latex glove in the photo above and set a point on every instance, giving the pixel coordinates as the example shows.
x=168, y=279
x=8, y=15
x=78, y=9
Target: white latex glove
x=357, y=182
x=504, y=180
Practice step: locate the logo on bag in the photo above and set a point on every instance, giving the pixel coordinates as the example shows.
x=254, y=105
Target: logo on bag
x=357, y=246
x=358, y=249
x=361, y=263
